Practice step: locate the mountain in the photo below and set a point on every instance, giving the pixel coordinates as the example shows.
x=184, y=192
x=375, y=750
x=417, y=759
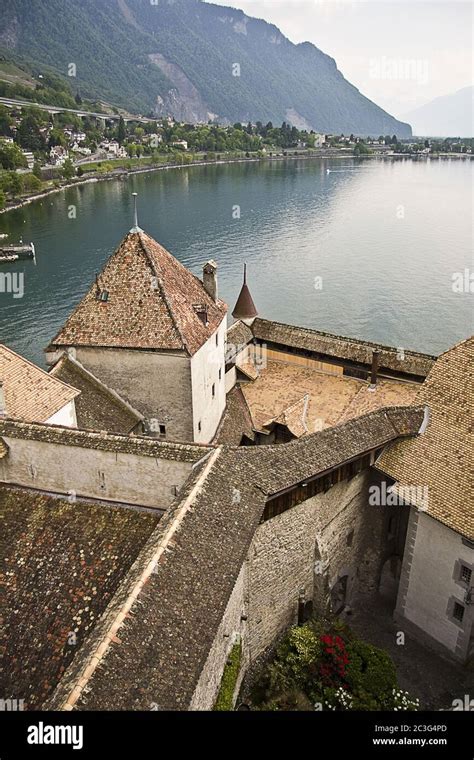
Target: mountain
x=447, y=116
x=191, y=59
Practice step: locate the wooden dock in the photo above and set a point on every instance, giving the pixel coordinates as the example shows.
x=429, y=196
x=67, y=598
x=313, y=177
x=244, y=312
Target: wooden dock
x=17, y=252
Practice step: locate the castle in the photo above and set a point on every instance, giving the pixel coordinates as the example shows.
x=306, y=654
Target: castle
x=172, y=486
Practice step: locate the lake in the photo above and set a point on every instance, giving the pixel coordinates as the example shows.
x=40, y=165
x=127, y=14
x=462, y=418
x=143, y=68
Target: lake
x=367, y=249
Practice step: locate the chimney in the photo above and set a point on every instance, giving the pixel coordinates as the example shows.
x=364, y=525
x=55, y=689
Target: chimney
x=374, y=369
x=209, y=278
x=3, y=409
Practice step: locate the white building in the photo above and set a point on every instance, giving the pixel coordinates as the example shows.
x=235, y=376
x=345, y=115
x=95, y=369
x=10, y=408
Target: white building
x=180, y=144
x=433, y=474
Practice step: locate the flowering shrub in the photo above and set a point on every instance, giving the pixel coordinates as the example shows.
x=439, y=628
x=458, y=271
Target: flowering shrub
x=329, y=669
x=334, y=660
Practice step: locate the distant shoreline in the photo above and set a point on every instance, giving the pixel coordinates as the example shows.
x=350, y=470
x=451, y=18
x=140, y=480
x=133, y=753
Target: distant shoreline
x=121, y=173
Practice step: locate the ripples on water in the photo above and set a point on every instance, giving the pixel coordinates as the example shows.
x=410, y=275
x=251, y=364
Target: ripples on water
x=385, y=236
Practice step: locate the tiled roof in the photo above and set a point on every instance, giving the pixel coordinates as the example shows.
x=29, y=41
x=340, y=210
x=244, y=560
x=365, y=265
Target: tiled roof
x=61, y=565
x=161, y=647
x=279, y=467
x=126, y=444
x=441, y=459
x=238, y=336
x=339, y=347
x=236, y=420
x=151, y=301
x=30, y=393
x=293, y=417
x=98, y=407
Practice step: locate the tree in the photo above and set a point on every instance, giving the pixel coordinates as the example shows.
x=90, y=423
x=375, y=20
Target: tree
x=2, y=199
x=121, y=131
x=78, y=99
x=68, y=170
x=37, y=170
x=15, y=184
x=28, y=134
x=5, y=121
x=80, y=171
x=31, y=184
x=11, y=157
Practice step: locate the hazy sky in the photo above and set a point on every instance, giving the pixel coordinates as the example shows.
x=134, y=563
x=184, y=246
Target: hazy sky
x=400, y=54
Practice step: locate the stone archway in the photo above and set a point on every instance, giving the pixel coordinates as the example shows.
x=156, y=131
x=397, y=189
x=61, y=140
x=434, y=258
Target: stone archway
x=390, y=578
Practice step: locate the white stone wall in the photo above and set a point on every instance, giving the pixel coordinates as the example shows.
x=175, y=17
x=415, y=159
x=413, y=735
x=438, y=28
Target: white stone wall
x=66, y=417
x=127, y=478
x=205, y=367
x=231, y=626
x=430, y=583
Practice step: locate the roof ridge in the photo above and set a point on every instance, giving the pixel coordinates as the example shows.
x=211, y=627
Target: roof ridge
x=159, y=280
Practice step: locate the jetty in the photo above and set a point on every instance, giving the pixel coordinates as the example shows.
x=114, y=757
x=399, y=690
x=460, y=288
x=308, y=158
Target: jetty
x=17, y=252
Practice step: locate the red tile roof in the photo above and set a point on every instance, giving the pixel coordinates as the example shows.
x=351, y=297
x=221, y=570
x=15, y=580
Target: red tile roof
x=150, y=303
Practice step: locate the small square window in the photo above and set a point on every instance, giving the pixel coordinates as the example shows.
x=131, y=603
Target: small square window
x=162, y=429
x=213, y=390
x=466, y=574
x=458, y=611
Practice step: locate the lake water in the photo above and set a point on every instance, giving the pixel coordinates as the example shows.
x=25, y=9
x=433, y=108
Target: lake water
x=384, y=236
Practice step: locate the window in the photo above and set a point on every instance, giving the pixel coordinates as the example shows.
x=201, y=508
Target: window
x=199, y=426
x=220, y=374
x=213, y=390
x=162, y=429
x=466, y=574
x=458, y=611
x=217, y=339
x=350, y=538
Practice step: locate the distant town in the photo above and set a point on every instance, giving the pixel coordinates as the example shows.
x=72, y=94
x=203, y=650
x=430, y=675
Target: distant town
x=44, y=147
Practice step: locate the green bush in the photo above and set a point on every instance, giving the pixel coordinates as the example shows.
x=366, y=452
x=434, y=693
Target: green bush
x=225, y=698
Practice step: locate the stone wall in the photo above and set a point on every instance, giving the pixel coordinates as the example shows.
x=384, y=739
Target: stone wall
x=309, y=548
x=156, y=384
x=430, y=584
x=231, y=628
x=108, y=475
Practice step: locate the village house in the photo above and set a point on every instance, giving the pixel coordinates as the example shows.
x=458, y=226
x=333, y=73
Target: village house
x=58, y=155
x=218, y=489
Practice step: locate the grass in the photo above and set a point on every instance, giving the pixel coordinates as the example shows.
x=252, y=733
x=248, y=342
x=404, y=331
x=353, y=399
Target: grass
x=225, y=698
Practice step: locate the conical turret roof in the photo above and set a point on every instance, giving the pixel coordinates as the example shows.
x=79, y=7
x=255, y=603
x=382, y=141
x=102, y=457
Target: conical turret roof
x=245, y=307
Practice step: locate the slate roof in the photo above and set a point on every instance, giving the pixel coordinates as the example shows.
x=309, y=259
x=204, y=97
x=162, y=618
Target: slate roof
x=158, y=652
x=151, y=303
x=97, y=407
x=61, y=564
x=339, y=347
x=442, y=458
x=30, y=393
x=127, y=444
